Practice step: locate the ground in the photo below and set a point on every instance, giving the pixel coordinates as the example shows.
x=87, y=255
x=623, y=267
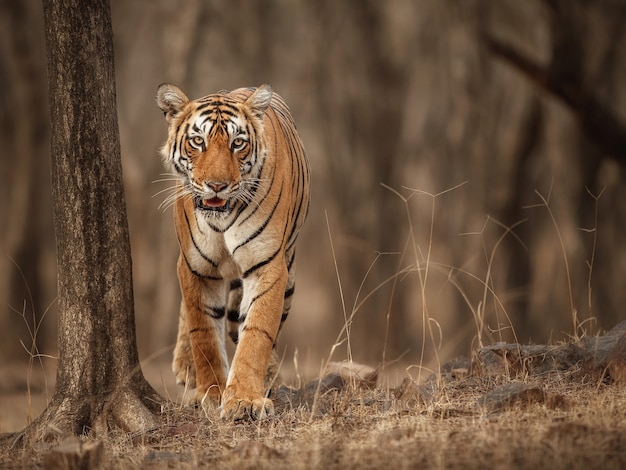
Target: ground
x=465, y=417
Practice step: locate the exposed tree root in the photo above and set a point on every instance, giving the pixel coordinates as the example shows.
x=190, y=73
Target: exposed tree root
x=130, y=409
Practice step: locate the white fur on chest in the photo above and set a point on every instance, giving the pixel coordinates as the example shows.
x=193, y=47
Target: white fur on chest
x=233, y=252
x=210, y=255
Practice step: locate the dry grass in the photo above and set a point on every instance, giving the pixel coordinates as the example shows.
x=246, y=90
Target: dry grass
x=575, y=421
x=580, y=424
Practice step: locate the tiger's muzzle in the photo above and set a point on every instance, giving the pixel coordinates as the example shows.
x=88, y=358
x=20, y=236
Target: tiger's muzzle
x=214, y=204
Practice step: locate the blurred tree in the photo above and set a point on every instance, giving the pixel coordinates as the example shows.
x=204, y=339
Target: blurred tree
x=361, y=86
x=581, y=73
x=25, y=222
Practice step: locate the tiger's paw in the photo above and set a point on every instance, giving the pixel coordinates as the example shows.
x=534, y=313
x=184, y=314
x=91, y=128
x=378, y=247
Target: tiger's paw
x=208, y=400
x=211, y=394
x=236, y=409
x=184, y=368
x=185, y=376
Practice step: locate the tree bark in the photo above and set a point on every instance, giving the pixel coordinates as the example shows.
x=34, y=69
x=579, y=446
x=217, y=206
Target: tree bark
x=99, y=379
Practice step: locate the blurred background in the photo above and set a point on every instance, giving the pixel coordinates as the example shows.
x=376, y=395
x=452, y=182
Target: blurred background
x=467, y=156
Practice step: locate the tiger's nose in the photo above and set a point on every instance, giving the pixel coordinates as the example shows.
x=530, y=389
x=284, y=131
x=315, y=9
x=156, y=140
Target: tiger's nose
x=216, y=186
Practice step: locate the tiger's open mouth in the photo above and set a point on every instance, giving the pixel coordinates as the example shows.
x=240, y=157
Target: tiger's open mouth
x=212, y=204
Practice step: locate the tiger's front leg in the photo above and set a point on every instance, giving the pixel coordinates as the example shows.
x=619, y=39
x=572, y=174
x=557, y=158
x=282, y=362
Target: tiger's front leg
x=202, y=336
x=263, y=298
x=183, y=365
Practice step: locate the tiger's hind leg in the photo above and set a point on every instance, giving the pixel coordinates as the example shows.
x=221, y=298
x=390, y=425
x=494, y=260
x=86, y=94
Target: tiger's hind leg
x=233, y=305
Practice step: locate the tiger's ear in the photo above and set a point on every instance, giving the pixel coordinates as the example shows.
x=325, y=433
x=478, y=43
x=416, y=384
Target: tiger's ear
x=260, y=100
x=171, y=100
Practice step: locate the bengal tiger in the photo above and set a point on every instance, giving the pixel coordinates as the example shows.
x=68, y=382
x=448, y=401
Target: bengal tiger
x=241, y=199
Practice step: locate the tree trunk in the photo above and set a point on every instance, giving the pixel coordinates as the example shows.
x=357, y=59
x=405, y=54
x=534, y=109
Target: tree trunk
x=99, y=379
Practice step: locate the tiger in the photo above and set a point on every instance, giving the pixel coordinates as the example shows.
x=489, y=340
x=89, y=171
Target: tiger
x=240, y=201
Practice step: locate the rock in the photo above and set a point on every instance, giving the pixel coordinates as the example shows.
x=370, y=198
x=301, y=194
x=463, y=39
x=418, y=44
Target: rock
x=595, y=353
x=509, y=395
x=157, y=460
x=74, y=453
x=598, y=349
x=505, y=358
x=411, y=394
x=254, y=450
x=328, y=383
x=339, y=376
x=359, y=375
x=616, y=362
x=459, y=363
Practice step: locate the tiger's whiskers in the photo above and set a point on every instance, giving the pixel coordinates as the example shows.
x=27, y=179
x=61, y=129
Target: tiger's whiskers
x=179, y=190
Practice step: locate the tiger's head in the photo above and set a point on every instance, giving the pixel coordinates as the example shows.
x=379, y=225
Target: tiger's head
x=215, y=145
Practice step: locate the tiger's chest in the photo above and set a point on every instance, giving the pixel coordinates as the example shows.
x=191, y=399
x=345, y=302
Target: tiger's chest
x=225, y=254
x=205, y=250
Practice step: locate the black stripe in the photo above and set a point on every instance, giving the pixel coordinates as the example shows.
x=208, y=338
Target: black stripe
x=258, y=206
x=235, y=284
x=177, y=149
x=234, y=336
x=289, y=292
x=289, y=247
x=261, y=264
x=217, y=229
x=291, y=260
x=298, y=188
x=193, y=240
x=196, y=273
x=216, y=103
x=203, y=120
x=258, y=296
x=256, y=328
x=259, y=230
x=198, y=330
x=179, y=168
x=202, y=108
x=215, y=312
x=234, y=217
x=295, y=219
x=230, y=113
x=233, y=316
x=215, y=130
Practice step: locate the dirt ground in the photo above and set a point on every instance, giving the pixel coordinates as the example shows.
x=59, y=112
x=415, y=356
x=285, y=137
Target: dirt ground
x=459, y=419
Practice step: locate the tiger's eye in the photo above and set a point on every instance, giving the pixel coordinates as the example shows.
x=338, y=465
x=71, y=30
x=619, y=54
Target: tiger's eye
x=197, y=141
x=238, y=143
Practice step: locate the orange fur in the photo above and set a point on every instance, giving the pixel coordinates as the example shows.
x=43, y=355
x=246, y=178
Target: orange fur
x=241, y=201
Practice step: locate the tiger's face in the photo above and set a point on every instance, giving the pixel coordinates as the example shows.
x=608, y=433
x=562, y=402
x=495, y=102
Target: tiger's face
x=215, y=146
